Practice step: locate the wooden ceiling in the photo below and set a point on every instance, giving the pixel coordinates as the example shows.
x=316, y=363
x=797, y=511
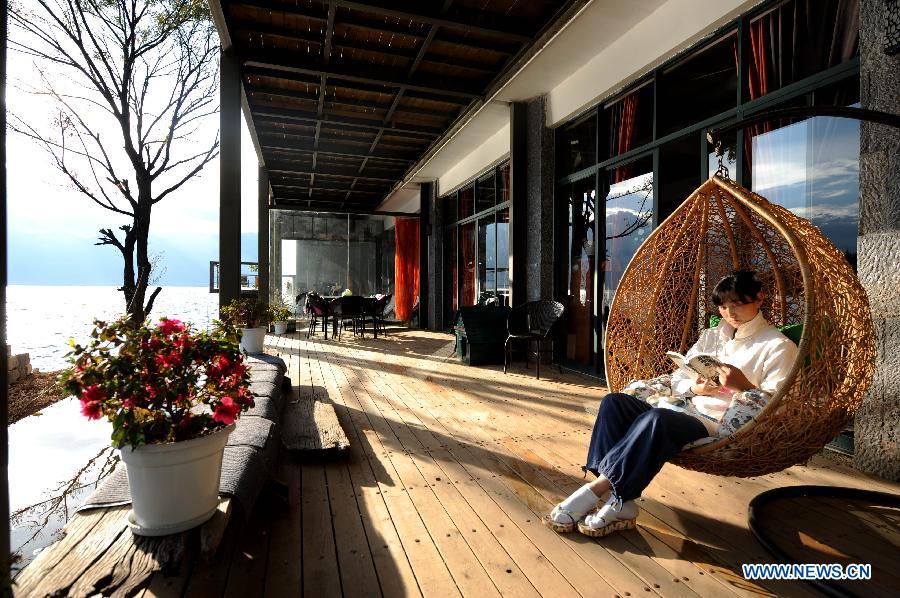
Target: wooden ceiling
x=346, y=96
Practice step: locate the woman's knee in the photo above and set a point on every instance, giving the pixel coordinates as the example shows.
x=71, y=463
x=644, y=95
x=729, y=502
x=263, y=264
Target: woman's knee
x=614, y=401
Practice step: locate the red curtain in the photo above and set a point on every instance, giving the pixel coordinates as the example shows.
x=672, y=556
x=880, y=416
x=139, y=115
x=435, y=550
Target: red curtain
x=758, y=77
x=406, y=266
x=467, y=249
x=627, y=109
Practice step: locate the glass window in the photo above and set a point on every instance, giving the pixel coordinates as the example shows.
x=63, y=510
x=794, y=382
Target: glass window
x=798, y=39
x=630, y=121
x=452, y=279
x=702, y=85
x=578, y=145
x=466, y=201
x=486, y=193
x=629, y=217
x=487, y=258
x=449, y=203
x=467, y=263
x=503, y=255
x=679, y=172
x=581, y=207
x=503, y=185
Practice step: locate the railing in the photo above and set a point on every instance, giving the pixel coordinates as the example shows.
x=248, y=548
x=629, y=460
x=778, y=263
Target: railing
x=249, y=277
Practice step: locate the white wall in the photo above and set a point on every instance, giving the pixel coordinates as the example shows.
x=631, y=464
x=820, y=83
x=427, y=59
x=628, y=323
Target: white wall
x=493, y=149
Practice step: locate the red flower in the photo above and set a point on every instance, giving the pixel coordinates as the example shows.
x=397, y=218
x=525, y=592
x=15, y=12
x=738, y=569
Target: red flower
x=226, y=411
x=170, y=327
x=91, y=409
x=93, y=393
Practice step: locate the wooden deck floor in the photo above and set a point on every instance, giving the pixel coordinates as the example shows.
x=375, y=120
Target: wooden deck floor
x=449, y=472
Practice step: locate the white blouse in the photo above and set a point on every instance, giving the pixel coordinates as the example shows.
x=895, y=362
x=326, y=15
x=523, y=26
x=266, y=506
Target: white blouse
x=757, y=348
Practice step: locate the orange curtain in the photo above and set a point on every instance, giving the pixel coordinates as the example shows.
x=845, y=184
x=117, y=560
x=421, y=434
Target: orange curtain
x=406, y=266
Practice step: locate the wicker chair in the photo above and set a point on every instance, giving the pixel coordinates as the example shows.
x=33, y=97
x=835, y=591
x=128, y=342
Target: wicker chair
x=532, y=322
x=664, y=300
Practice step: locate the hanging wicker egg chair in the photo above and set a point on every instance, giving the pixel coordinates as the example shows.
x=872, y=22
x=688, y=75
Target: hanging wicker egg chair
x=664, y=300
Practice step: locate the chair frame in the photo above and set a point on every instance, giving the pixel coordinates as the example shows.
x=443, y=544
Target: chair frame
x=538, y=335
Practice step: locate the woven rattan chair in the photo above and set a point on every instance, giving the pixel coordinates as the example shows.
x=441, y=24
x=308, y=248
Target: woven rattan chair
x=665, y=299
x=532, y=322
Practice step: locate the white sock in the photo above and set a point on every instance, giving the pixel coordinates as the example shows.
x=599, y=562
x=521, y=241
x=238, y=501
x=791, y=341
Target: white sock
x=612, y=511
x=579, y=502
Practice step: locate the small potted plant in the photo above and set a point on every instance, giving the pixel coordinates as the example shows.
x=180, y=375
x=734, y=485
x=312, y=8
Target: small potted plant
x=172, y=395
x=250, y=317
x=280, y=314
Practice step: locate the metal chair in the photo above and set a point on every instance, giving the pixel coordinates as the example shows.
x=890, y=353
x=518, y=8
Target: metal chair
x=532, y=322
x=377, y=315
x=349, y=309
x=319, y=310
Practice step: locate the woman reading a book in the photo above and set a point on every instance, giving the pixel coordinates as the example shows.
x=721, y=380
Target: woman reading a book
x=648, y=423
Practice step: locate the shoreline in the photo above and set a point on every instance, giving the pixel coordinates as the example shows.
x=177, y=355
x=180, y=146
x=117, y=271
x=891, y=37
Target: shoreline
x=34, y=392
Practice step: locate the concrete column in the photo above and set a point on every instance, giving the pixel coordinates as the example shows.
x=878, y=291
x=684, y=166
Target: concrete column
x=877, y=424
x=265, y=293
x=4, y=407
x=229, y=179
x=425, y=201
x=436, y=264
x=275, y=235
x=518, y=210
x=539, y=203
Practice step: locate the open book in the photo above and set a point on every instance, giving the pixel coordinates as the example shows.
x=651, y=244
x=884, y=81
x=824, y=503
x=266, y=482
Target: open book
x=698, y=365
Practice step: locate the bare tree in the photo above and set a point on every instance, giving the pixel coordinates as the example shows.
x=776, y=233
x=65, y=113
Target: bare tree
x=146, y=70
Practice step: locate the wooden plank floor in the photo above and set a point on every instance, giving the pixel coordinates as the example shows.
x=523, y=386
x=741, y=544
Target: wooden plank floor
x=449, y=471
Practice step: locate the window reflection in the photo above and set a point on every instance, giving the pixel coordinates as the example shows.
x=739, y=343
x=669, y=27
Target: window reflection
x=503, y=256
x=582, y=209
x=812, y=168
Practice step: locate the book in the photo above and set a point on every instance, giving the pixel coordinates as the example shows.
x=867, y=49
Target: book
x=699, y=365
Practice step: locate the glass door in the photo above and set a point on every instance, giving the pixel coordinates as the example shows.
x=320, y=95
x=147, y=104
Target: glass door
x=580, y=273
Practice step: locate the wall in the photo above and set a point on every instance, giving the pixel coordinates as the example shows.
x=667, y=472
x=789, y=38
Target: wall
x=494, y=149
x=877, y=423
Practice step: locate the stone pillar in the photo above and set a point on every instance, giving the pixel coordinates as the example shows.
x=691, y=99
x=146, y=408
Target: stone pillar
x=518, y=209
x=425, y=202
x=229, y=178
x=262, y=258
x=436, y=263
x=539, y=203
x=276, y=232
x=877, y=424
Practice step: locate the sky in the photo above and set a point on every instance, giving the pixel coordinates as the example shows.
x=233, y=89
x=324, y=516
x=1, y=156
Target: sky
x=53, y=227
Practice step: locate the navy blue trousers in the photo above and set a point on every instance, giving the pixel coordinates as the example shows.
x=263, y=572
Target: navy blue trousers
x=632, y=440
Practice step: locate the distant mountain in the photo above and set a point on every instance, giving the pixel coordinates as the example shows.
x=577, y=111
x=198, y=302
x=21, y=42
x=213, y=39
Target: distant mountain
x=60, y=260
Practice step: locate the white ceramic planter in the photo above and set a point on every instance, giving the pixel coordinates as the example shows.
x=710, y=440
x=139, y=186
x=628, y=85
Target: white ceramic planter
x=281, y=326
x=252, y=339
x=174, y=487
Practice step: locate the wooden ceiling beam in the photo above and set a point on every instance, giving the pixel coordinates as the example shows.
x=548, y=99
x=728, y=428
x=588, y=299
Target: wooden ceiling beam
x=370, y=74
x=286, y=114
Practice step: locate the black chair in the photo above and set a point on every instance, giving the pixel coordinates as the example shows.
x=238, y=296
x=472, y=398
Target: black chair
x=533, y=323
x=414, y=313
x=319, y=311
x=349, y=309
x=377, y=313
x=488, y=298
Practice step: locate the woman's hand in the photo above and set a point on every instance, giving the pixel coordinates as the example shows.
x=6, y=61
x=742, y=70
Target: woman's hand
x=704, y=386
x=733, y=378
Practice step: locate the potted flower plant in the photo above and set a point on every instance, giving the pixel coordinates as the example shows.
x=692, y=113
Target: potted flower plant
x=172, y=395
x=280, y=314
x=251, y=317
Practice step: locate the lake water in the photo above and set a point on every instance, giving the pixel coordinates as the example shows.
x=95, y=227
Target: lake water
x=57, y=458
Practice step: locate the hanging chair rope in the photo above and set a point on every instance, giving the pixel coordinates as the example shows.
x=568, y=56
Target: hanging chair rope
x=664, y=300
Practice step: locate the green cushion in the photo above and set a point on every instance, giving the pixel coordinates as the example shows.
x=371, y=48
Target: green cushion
x=792, y=331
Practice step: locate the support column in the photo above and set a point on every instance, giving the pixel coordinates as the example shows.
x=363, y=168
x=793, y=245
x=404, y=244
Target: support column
x=265, y=293
x=539, y=203
x=425, y=201
x=436, y=263
x=4, y=372
x=229, y=179
x=518, y=193
x=876, y=434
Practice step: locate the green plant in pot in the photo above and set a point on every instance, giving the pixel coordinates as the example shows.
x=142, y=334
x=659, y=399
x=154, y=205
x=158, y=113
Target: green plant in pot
x=280, y=314
x=172, y=395
x=251, y=317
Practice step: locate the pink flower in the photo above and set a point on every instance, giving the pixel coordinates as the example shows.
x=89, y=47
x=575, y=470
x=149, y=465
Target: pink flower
x=91, y=409
x=169, y=327
x=93, y=393
x=226, y=411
